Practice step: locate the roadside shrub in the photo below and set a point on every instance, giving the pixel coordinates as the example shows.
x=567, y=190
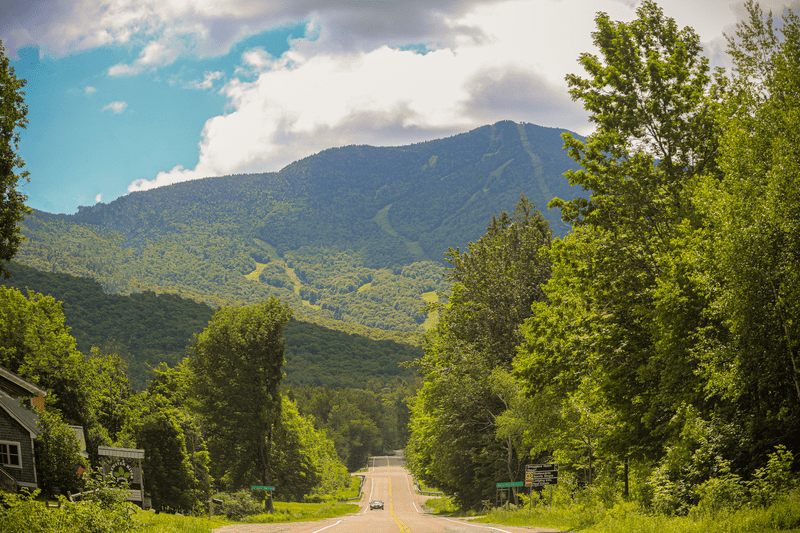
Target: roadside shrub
x=239, y=504
x=773, y=479
x=724, y=492
x=669, y=497
x=22, y=512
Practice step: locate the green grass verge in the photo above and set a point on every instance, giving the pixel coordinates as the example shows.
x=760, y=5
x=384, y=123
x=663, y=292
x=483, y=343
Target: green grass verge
x=284, y=512
x=782, y=516
x=443, y=505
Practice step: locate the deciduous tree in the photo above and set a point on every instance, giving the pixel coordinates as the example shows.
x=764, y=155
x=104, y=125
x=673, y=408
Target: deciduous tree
x=623, y=306
x=13, y=113
x=751, y=244
x=454, y=445
x=237, y=370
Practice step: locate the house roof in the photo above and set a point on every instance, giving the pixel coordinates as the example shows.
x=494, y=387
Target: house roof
x=15, y=386
x=27, y=418
x=126, y=453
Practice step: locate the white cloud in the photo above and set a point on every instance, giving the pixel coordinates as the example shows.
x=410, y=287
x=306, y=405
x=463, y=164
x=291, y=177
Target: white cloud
x=89, y=90
x=208, y=81
x=157, y=53
x=491, y=61
x=348, y=81
x=310, y=99
x=98, y=198
x=116, y=107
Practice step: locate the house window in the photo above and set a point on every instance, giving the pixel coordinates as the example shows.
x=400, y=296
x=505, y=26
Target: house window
x=9, y=454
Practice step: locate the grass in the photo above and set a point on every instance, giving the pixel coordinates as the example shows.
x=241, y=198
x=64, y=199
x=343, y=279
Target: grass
x=626, y=517
x=443, y=505
x=168, y=523
x=433, y=316
x=284, y=512
x=253, y=276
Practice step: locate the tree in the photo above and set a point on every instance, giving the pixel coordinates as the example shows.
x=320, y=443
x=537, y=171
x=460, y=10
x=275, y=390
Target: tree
x=295, y=455
x=453, y=444
x=36, y=344
x=112, y=396
x=57, y=454
x=751, y=243
x=237, y=370
x=624, y=303
x=13, y=111
x=167, y=469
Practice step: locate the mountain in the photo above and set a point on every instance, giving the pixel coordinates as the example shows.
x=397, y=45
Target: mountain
x=354, y=234
x=147, y=329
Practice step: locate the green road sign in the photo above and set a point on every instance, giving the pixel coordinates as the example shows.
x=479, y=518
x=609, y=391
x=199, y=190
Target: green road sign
x=261, y=487
x=511, y=484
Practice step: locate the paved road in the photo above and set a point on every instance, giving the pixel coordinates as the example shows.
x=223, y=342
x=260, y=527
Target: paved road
x=389, y=481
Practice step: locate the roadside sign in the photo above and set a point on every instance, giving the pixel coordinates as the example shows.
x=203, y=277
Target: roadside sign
x=261, y=487
x=511, y=484
x=541, y=475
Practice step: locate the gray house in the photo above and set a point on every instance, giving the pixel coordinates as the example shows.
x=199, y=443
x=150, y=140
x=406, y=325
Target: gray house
x=18, y=429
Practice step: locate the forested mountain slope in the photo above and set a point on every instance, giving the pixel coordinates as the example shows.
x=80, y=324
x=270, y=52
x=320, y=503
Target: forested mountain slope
x=354, y=234
x=147, y=329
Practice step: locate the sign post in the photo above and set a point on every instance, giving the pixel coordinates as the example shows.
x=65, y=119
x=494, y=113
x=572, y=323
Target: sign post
x=507, y=485
x=125, y=465
x=541, y=475
x=268, y=499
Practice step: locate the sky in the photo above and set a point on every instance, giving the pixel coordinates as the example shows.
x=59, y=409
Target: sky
x=128, y=95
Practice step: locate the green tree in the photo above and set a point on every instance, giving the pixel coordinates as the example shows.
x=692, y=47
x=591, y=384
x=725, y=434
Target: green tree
x=453, y=444
x=13, y=112
x=57, y=454
x=237, y=371
x=112, y=396
x=35, y=343
x=167, y=470
x=751, y=244
x=294, y=455
x=623, y=308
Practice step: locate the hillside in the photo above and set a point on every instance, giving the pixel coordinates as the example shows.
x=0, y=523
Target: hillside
x=355, y=234
x=148, y=329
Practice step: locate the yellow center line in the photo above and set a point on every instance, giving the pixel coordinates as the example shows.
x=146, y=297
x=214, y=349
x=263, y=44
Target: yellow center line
x=400, y=524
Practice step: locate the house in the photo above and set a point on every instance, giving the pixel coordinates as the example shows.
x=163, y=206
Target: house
x=19, y=429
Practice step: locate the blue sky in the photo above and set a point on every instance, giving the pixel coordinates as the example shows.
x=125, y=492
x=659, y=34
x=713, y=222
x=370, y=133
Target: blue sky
x=128, y=95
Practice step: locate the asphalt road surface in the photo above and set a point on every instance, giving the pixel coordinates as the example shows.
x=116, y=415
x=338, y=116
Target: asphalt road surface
x=387, y=480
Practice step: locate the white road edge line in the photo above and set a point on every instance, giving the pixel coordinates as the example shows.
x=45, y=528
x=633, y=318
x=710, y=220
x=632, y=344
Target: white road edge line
x=471, y=525
x=372, y=487
x=415, y=507
x=326, y=527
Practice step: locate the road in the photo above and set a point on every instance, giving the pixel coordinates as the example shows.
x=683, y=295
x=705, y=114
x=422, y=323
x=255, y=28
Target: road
x=387, y=480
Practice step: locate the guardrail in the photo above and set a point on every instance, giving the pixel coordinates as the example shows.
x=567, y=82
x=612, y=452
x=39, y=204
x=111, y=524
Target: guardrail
x=360, y=489
x=425, y=492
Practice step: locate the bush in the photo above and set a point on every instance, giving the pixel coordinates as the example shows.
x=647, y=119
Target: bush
x=22, y=512
x=774, y=479
x=725, y=492
x=239, y=504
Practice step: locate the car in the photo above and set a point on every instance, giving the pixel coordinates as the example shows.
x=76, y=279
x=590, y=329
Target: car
x=376, y=504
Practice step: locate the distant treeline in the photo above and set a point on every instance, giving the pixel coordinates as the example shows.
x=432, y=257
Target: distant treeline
x=147, y=329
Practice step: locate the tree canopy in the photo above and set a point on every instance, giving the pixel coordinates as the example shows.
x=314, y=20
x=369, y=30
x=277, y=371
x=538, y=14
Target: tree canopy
x=13, y=113
x=453, y=444
x=237, y=367
x=665, y=338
